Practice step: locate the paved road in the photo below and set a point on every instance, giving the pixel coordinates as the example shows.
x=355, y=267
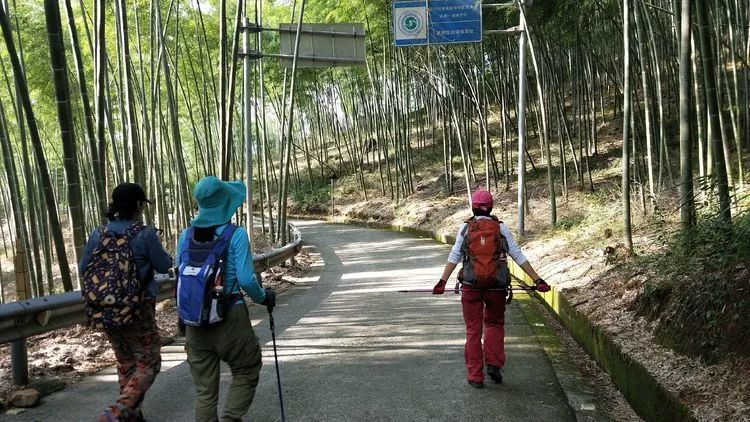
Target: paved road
x=350, y=349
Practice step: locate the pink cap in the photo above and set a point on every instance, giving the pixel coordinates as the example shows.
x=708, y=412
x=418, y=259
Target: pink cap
x=481, y=199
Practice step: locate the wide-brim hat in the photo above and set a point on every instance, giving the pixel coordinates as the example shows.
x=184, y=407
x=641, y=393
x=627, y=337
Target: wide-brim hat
x=217, y=201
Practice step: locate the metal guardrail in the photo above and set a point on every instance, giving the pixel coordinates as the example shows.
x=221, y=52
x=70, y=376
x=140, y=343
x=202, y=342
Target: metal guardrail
x=26, y=318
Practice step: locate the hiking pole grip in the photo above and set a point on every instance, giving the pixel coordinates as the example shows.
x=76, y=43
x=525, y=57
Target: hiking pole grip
x=276, y=360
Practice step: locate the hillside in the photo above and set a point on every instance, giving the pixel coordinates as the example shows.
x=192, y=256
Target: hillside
x=651, y=302
x=635, y=116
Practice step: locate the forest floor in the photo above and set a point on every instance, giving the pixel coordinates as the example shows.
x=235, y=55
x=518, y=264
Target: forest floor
x=583, y=256
x=67, y=356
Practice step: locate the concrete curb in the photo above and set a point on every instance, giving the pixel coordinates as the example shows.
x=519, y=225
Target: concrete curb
x=579, y=392
x=651, y=400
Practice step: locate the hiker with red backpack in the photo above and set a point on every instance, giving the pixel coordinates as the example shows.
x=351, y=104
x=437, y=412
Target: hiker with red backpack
x=117, y=273
x=214, y=262
x=483, y=244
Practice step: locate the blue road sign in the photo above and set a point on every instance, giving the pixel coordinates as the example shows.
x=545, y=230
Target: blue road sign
x=410, y=21
x=437, y=22
x=455, y=21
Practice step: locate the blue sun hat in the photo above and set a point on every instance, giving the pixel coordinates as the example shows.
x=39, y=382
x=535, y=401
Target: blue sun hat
x=217, y=201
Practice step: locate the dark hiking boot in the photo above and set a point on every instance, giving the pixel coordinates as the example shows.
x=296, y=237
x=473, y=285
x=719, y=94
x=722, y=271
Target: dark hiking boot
x=476, y=384
x=495, y=373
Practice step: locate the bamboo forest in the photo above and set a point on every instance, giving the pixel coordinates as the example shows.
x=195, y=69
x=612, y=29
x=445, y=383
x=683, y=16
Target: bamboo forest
x=613, y=135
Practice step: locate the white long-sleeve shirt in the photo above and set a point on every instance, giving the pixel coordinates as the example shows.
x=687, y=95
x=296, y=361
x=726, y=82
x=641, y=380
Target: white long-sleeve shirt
x=514, y=251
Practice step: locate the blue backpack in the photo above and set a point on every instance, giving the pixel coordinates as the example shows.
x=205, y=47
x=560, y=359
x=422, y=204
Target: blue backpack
x=201, y=299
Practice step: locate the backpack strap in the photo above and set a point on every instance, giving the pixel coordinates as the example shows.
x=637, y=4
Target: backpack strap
x=185, y=247
x=102, y=230
x=500, y=225
x=466, y=227
x=221, y=249
x=133, y=231
x=502, y=240
x=220, y=245
x=129, y=234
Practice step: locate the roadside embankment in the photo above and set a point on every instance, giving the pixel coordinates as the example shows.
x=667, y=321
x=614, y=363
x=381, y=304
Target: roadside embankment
x=593, y=305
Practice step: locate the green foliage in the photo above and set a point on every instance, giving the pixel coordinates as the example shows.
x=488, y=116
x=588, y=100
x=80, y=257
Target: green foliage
x=312, y=195
x=568, y=222
x=700, y=299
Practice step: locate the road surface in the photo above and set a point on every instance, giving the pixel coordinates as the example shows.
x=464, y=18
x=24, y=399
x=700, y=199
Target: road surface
x=352, y=349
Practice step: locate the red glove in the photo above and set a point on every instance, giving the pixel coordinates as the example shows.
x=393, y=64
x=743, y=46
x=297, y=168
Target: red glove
x=541, y=285
x=439, y=288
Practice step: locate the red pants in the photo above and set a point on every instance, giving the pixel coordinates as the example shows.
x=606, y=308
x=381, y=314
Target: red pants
x=483, y=310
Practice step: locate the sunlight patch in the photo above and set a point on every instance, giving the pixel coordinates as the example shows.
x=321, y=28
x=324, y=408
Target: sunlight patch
x=392, y=274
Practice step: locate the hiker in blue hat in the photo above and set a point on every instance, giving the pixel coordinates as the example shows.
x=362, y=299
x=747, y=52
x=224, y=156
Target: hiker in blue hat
x=221, y=330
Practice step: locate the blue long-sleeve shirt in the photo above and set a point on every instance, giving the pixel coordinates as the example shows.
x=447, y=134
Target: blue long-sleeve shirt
x=147, y=250
x=239, y=270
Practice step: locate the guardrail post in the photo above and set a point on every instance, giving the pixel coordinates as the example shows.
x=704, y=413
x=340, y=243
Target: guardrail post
x=291, y=239
x=18, y=359
x=333, y=200
x=19, y=362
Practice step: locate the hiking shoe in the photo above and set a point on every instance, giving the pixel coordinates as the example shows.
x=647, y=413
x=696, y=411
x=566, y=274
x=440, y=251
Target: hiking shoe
x=496, y=373
x=476, y=384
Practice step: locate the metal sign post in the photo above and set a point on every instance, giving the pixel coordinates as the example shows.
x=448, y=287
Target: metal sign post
x=248, y=132
x=521, y=113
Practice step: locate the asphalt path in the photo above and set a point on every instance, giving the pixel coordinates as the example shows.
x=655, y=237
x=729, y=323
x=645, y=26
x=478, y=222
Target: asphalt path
x=351, y=348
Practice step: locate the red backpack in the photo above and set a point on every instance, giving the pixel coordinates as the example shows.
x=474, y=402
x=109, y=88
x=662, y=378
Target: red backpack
x=485, y=252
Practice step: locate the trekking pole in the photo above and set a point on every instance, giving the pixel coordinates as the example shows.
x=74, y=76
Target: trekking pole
x=515, y=289
x=276, y=359
x=521, y=282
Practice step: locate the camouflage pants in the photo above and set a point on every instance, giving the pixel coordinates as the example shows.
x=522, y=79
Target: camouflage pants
x=136, y=348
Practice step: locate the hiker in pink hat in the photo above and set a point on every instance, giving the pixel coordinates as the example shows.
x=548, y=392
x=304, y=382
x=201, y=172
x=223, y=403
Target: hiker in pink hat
x=482, y=245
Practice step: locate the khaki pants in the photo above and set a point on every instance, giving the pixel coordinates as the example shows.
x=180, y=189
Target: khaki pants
x=234, y=342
